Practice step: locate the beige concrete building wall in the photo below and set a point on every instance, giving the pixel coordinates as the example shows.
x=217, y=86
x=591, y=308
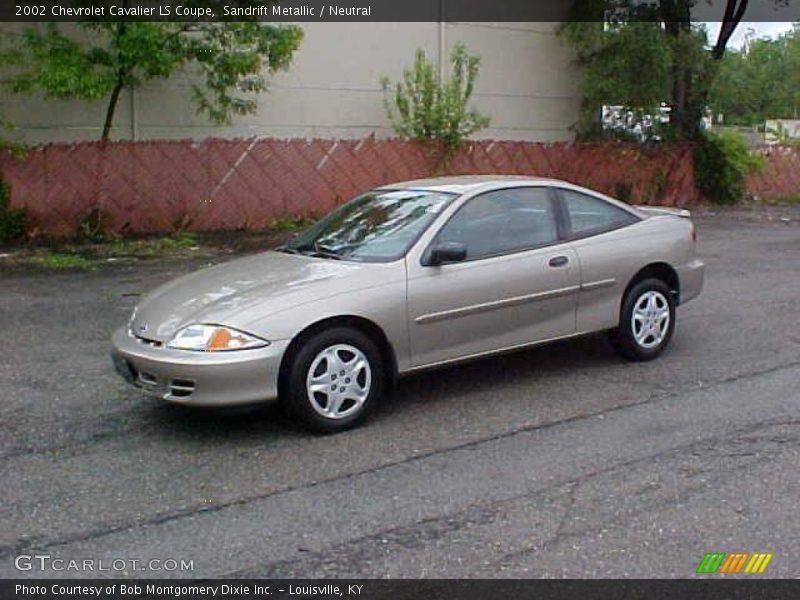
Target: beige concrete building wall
x=528, y=84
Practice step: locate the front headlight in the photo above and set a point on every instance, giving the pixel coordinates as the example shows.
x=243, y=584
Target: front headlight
x=214, y=338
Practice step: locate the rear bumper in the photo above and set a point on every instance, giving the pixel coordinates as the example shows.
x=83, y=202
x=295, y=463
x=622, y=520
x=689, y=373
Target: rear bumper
x=210, y=379
x=691, y=278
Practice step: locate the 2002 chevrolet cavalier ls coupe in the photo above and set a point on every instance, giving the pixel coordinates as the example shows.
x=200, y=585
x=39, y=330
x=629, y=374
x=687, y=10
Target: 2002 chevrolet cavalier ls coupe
x=407, y=277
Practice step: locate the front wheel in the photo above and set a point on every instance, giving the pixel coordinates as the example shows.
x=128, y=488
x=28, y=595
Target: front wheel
x=647, y=321
x=334, y=379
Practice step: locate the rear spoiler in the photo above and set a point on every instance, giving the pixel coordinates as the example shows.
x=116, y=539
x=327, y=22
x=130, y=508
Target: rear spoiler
x=664, y=210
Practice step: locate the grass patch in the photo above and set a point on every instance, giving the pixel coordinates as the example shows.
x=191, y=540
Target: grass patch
x=82, y=253
x=88, y=255
x=291, y=223
x=55, y=260
x=779, y=201
x=148, y=247
x=180, y=241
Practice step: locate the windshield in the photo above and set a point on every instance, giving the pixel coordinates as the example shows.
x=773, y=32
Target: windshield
x=379, y=226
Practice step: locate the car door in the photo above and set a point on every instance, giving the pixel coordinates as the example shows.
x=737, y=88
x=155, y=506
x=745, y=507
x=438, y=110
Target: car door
x=609, y=251
x=518, y=283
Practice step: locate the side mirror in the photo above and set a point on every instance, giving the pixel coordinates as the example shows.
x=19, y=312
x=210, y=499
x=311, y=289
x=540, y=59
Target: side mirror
x=447, y=252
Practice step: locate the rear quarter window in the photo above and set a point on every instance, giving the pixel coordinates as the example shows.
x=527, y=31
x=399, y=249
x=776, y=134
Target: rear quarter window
x=589, y=215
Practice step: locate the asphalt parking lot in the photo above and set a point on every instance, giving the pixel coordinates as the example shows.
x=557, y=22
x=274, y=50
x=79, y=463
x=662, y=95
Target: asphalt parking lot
x=562, y=461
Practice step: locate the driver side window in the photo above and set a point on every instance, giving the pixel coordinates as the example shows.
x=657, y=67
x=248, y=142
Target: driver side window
x=502, y=222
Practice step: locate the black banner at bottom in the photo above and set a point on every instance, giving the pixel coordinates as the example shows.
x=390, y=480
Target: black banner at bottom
x=398, y=589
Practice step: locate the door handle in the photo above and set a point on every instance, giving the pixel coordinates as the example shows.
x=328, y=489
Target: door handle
x=558, y=261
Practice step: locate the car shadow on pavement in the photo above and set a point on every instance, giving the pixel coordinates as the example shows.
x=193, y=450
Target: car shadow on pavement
x=522, y=368
x=212, y=425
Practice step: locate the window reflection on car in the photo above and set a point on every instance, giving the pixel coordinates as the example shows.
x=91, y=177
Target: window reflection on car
x=503, y=221
x=375, y=227
x=590, y=215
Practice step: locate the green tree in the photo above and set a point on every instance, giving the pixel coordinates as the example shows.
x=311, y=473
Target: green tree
x=625, y=65
x=424, y=108
x=231, y=58
x=760, y=82
x=640, y=54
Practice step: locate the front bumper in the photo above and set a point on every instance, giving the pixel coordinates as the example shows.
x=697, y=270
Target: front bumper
x=691, y=278
x=211, y=379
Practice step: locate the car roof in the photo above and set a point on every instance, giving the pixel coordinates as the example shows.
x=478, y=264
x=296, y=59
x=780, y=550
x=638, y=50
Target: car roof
x=462, y=184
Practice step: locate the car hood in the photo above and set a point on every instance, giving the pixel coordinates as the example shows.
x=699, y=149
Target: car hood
x=237, y=292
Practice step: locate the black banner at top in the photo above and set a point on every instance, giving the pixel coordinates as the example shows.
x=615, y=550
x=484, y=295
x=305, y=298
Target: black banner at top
x=378, y=10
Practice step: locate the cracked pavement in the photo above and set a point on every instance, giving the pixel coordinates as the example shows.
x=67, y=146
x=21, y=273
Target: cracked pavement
x=562, y=461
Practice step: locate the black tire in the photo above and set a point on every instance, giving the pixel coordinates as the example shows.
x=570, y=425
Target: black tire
x=623, y=337
x=294, y=395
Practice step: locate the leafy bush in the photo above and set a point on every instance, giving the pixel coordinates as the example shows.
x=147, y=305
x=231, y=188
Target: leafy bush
x=424, y=108
x=722, y=163
x=8, y=144
x=13, y=221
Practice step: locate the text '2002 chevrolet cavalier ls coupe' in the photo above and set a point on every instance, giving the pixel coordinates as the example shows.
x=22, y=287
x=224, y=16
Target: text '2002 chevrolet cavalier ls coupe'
x=408, y=277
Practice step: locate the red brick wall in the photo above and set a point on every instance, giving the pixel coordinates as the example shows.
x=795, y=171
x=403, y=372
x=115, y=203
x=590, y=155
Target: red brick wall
x=231, y=184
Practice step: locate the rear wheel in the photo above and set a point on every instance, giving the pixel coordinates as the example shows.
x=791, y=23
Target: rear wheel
x=334, y=379
x=647, y=321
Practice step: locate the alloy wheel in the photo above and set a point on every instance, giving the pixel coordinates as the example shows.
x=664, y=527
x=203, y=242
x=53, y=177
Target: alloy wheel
x=650, y=319
x=338, y=381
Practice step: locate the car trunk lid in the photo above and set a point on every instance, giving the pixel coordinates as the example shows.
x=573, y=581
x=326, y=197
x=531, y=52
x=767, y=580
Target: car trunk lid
x=656, y=211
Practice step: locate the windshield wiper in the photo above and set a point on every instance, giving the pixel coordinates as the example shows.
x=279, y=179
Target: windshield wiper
x=323, y=252
x=313, y=249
